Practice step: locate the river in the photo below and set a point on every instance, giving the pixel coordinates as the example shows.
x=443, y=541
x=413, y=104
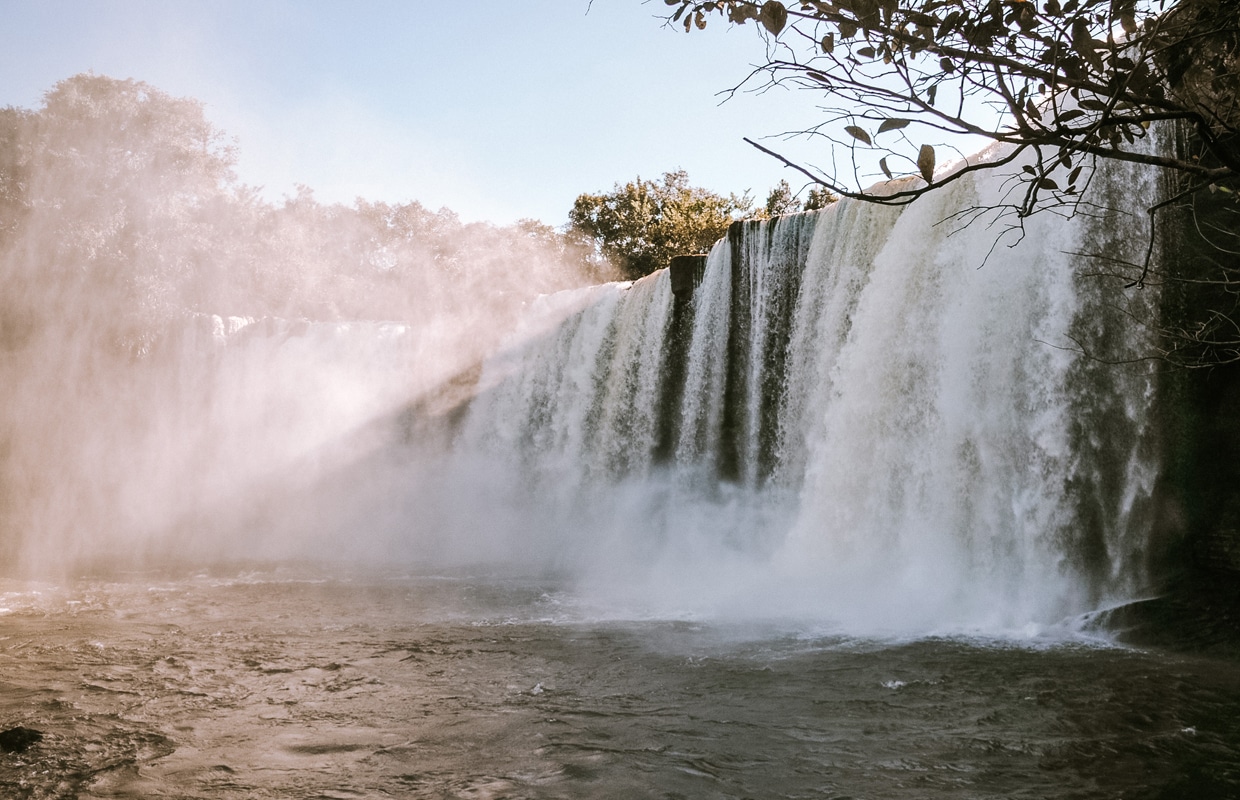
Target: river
x=304, y=682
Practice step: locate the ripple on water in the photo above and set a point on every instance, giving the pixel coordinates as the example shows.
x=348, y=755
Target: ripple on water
x=325, y=688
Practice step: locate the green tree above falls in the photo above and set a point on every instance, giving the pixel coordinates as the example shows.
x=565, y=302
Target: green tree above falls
x=637, y=227
x=640, y=225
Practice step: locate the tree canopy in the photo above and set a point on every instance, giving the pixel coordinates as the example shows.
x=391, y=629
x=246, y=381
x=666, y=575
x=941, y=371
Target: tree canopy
x=782, y=201
x=1068, y=81
x=639, y=226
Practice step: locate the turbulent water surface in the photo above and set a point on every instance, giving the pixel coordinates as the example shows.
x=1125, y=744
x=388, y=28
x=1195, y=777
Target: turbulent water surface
x=297, y=683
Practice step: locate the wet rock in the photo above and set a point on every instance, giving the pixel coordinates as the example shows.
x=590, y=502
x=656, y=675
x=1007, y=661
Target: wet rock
x=16, y=740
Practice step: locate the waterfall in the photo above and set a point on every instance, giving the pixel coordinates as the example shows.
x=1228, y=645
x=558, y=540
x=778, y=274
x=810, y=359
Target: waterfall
x=881, y=416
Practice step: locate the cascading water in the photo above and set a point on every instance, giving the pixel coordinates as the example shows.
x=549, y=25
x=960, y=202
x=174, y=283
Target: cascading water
x=874, y=427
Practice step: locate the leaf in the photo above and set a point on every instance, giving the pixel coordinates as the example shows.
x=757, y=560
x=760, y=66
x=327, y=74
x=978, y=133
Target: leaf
x=1081, y=40
x=739, y=14
x=1027, y=19
x=946, y=65
x=1047, y=183
x=949, y=24
x=858, y=133
x=1072, y=176
x=773, y=16
x=828, y=43
x=847, y=29
x=866, y=52
x=866, y=11
x=925, y=162
x=1084, y=44
x=892, y=124
x=1068, y=116
x=931, y=92
x=1029, y=169
x=882, y=164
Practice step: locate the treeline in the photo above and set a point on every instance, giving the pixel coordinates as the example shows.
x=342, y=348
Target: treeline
x=120, y=211
x=119, y=206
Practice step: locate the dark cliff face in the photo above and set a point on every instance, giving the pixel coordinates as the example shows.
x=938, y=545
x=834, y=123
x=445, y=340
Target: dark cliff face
x=1196, y=548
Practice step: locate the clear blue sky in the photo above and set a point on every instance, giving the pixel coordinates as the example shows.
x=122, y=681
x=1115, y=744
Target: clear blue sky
x=497, y=109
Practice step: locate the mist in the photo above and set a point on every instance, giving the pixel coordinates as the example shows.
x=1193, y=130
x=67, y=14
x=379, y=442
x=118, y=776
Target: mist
x=198, y=376
x=193, y=373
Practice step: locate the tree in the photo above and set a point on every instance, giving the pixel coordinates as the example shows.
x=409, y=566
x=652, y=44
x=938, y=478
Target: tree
x=105, y=194
x=639, y=226
x=1066, y=82
x=781, y=200
x=819, y=197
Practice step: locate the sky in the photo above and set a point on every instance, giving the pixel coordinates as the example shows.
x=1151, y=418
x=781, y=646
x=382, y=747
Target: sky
x=496, y=109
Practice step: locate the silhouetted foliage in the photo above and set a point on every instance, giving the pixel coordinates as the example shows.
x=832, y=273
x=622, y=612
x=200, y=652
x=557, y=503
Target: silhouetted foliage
x=1069, y=80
